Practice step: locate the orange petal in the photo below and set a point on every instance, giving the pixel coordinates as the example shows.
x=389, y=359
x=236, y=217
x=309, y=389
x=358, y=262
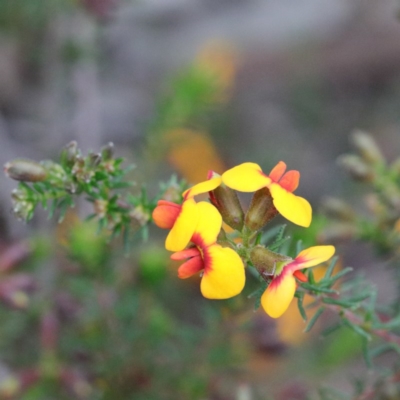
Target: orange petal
x=246, y=177
x=183, y=229
x=224, y=274
x=202, y=187
x=290, y=181
x=185, y=254
x=300, y=276
x=292, y=207
x=312, y=256
x=190, y=267
x=279, y=294
x=208, y=226
x=277, y=172
x=166, y=213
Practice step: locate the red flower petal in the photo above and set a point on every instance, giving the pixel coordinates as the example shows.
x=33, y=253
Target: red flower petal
x=300, y=276
x=190, y=267
x=185, y=254
x=277, y=171
x=290, y=181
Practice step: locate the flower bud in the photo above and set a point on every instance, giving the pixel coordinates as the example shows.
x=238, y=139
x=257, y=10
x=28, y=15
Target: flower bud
x=227, y=202
x=367, y=148
x=69, y=153
x=25, y=170
x=172, y=194
x=356, y=167
x=139, y=216
x=261, y=210
x=94, y=159
x=337, y=209
x=107, y=151
x=266, y=260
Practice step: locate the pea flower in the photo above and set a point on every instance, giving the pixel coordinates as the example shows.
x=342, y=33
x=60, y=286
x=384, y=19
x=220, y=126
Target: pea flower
x=223, y=270
x=248, y=177
x=281, y=290
x=181, y=219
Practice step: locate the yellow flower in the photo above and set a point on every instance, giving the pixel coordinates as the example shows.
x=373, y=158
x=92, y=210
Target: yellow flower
x=281, y=290
x=248, y=177
x=181, y=219
x=223, y=270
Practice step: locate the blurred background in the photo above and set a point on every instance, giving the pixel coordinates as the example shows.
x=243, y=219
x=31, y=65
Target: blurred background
x=179, y=87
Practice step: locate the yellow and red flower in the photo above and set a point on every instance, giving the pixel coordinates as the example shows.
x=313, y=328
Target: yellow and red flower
x=249, y=177
x=223, y=270
x=281, y=290
x=181, y=219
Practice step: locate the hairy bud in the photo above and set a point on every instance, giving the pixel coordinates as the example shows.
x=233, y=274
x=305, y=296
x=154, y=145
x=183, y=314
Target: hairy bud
x=356, y=167
x=25, y=170
x=107, y=151
x=227, y=202
x=266, y=260
x=261, y=210
x=69, y=153
x=367, y=148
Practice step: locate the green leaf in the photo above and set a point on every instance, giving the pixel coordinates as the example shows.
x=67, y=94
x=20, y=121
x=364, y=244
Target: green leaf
x=331, y=267
x=317, y=288
x=278, y=243
x=314, y=319
x=366, y=352
x=384, y=348
x=257, y=295
x=299, y=246
x=311, y=278
x=337, y=276
x=38, y=188
x=338, y=302
x=357, y=329
x=53, y=208
x=392, y=324
x=301, y=307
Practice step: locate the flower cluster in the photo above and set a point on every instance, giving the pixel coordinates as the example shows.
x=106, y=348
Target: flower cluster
x=197, y=234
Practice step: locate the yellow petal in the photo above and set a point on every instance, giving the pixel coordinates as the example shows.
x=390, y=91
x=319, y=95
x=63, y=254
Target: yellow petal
x=182, y=231
x=202, y=187
x=246, y=177
x=293, y=208
x=314, y=256
x=224, y=274
x=279, y=294
x=208, y=226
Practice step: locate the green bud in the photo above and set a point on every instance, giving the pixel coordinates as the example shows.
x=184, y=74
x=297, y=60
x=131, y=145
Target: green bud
x=261, y=210
x=227, y=202
x=69, y=153
x=266, y=261
x=356, y=167
x=139, y=216
x=107, y=151
x=25, y=170
x=367, y=148
x=94, y=159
